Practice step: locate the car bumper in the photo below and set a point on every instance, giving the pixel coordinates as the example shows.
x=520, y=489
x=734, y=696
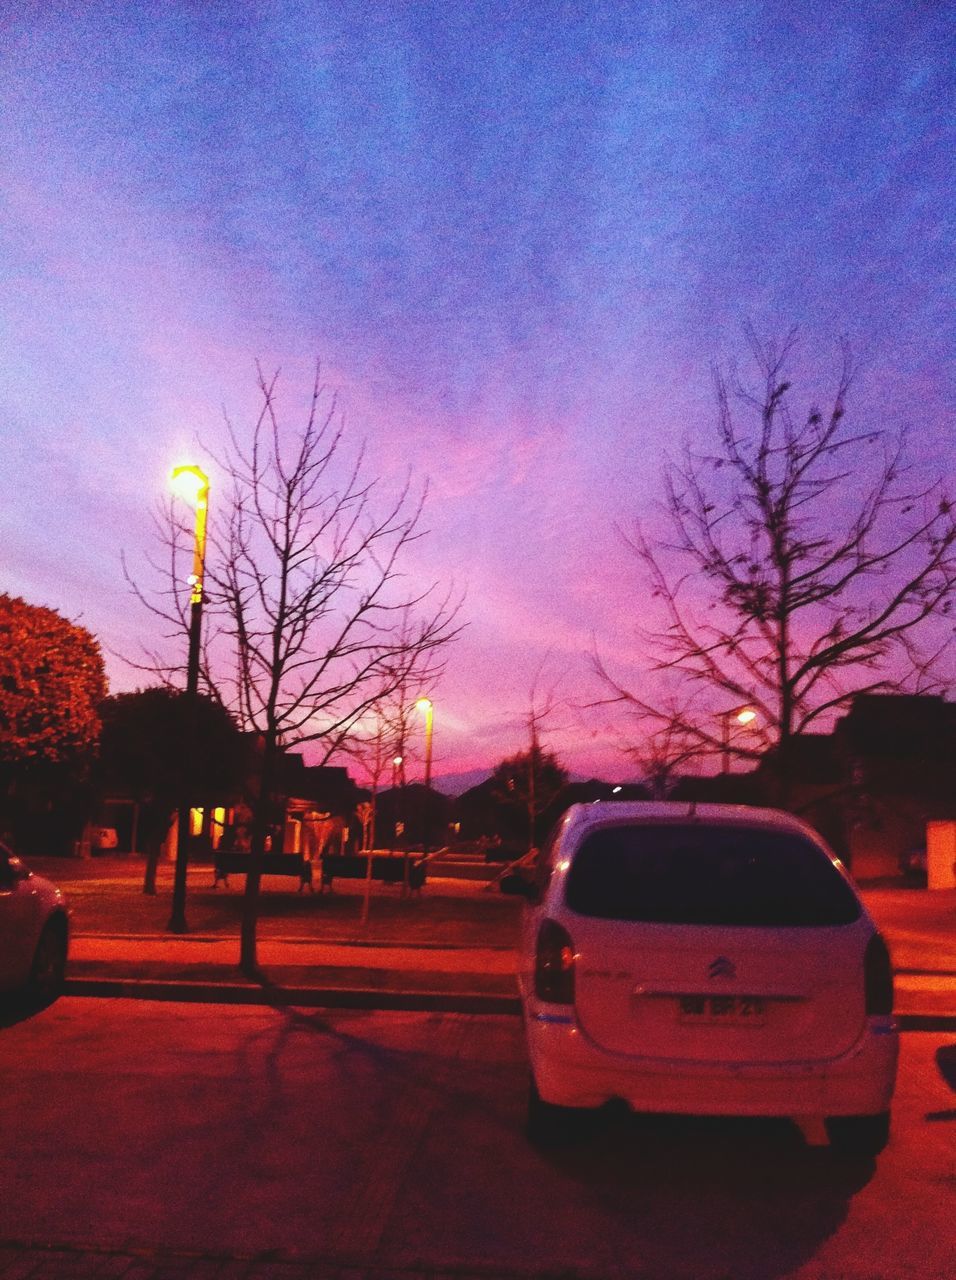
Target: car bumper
x=570, y=1070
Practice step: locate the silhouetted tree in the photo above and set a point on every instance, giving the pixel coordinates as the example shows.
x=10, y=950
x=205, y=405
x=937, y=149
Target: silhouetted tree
x=159, y=749
x=525, y=785
x=797, y=567
x=661, y=753
x=532, y=779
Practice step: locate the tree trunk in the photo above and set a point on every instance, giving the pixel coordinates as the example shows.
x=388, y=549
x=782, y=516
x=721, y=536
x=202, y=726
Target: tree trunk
x=152, y=862
x=784, y=745
x=154, y=843
x=248, y=960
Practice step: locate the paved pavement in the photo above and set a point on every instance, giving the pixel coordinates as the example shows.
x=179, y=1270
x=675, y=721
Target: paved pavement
x=449, y=948
x=165, y=1140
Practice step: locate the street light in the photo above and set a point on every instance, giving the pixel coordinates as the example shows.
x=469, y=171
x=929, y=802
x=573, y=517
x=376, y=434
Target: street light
x=192, y=484
x=397, y=762
x=425, y=705
x=742, y=715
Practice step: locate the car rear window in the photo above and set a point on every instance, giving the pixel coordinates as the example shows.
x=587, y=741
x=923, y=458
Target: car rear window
x=715, y=875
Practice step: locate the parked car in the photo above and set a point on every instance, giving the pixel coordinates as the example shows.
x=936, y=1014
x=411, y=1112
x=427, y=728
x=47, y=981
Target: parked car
x=709, y=959
x=34, y=932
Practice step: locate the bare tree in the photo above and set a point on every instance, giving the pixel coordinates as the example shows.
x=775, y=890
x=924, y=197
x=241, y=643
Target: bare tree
x=532, y=779
x=660, y=756
x=372, y=746
x=312, y=622
x=382, y=735
x=798, y=567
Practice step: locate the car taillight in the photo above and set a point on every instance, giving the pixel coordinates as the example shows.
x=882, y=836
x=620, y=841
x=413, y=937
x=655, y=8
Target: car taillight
x=878, y=977
x=554, y=964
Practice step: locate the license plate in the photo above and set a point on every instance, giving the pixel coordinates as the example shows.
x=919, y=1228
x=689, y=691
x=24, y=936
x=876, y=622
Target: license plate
x=733, y=1011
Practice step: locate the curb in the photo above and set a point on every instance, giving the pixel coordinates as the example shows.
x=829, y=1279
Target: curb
x=247, y=993
x=927, y=1021
x=303, y=997
x=370, y=944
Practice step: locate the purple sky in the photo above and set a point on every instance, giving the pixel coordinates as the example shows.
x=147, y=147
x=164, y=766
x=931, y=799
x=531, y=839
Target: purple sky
x=517, y=235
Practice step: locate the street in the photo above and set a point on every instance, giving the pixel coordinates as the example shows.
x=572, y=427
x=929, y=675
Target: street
x=392, y=1143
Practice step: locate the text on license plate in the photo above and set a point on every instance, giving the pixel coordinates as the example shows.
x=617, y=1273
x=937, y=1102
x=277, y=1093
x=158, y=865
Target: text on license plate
x=738, y=1011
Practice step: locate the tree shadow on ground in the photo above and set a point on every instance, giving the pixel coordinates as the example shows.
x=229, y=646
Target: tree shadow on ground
x=946, y=1062
x=661, y=1195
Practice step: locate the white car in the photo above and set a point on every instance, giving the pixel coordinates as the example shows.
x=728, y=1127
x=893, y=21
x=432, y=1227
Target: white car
x=708, y=960
x=33, y=932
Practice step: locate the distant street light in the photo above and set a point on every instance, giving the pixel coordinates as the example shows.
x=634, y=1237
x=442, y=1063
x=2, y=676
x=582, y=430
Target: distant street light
x=192, y=484
x=397, y=762
x=425, y=705
x=741, y=715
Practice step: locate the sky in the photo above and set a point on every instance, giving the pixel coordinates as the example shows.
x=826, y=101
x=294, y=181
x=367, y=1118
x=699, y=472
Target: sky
x=516, y=235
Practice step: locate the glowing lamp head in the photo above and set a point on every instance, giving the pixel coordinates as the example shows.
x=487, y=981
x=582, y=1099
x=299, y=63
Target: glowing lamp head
x=424, y=704
x=397, y=761
x=190, y=483
x=746, y=715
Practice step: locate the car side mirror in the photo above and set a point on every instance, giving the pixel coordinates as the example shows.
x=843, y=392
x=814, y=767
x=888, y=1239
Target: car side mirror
x=518, y=884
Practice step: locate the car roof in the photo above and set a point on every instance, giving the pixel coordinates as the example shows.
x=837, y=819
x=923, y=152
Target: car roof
x=635, y=812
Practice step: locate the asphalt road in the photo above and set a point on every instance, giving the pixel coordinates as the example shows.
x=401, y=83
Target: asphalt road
x=392, y=1144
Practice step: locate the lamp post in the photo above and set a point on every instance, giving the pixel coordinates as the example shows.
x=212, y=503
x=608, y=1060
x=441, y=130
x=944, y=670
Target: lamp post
x=742, y=715
x=425, y=705
x=191, y=483
x=396, y=767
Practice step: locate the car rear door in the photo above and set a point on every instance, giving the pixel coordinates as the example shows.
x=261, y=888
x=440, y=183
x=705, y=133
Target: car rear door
x=722, y=945
x=719, y=995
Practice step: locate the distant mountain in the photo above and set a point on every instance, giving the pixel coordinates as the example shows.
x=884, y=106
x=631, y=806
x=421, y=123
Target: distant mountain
x=453, y=784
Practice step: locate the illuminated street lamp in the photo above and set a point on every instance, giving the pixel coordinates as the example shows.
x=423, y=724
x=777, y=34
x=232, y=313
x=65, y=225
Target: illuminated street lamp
x=425, y=705
x=192, y=484
x=740, y=715
x=397, y=762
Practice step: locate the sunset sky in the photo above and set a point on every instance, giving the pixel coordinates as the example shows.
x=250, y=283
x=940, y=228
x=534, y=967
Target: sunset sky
x=517, y=236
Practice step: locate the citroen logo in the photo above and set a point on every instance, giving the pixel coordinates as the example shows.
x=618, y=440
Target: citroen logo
x=721, y=968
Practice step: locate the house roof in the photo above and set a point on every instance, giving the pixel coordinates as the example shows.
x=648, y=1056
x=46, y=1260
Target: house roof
x=898, y=725
x=814, y=759
x=326, y=786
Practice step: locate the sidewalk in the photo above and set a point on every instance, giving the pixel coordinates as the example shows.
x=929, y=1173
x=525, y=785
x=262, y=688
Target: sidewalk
x=920, y=931
x=298, y=971
x=449, y=948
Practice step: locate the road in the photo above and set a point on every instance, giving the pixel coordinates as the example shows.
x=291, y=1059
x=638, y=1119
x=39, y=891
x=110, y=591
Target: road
x=391, y=1144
